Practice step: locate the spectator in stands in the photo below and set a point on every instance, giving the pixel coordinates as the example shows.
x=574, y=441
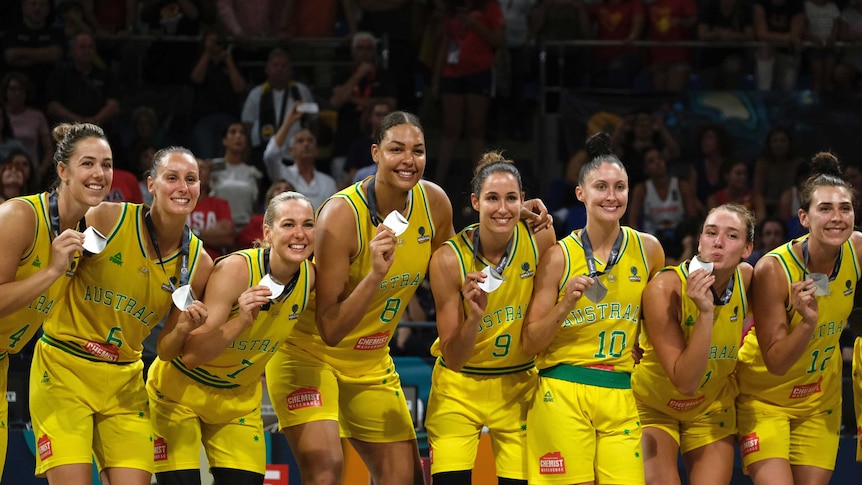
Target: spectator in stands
x=621, y=20
x=736, y=189
x=782, y=22
x=8, y=142
x=268, y=104
x=252, y=234
x=636, y=134
x=211, y=219
x=33, y=46
x=670, y=21
x=71, y=13
x=233, y=178
x=170, y=17
x=218, y=85
x=660, y=203
x=142, y=157
x=307, y=180
x=562, y=20
x=245, y=19
x=788, y=204
x=355, y=88
x=714, y=147
x=724, y=21
x=81, y=91
x=28, y=123
x=317, y=19
x=16, y=174
x=768, y=235
x=359, y=154
x=110, y=16
x=399, y=22
x=463, y=76
x=125, y=188
x=821, y=29
x=853, y=176
x=850, y=30
x=775, y=170
x=509, y=106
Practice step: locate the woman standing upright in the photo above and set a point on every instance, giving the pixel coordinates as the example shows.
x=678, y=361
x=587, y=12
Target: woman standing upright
x=42, y=241
x=87, y=395
x=790, y=364
x=684, y=384
x=479, y=350
x=583, y=323
x=335, y=373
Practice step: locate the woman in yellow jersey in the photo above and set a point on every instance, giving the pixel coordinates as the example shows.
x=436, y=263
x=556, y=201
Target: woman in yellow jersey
x=582, y=324
x=212, y=392
x=42, y=240
x=684, y=384
x=789, y=372
x=87, y=395
x=482, y=376
x=335, y=373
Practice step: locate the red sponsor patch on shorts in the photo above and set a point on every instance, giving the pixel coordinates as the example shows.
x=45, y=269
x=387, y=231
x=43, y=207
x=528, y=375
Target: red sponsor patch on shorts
x=606, y=367
x=304, y=397
x=103, y=351
x=552, y=464
x=160, y=449
x=749, y=444
x=685, y=404
x=44, y=447
x=372, y=342
x=806, y=390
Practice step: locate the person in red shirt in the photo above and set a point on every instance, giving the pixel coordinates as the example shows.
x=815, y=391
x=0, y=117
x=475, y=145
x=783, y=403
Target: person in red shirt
x=125, y=188
x=671, y=20
x=211, y=219
x=252, y=233
x=615, y=66
x=472, y=31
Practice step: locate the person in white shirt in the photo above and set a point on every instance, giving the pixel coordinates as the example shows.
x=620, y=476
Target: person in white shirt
x=307, y=180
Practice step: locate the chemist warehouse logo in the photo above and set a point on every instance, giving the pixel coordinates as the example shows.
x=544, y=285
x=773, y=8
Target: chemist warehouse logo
x=304, y=397
x=552, y=464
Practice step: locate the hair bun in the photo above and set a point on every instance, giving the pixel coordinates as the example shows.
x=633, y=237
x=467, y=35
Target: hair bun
x=825, y=163
x=599, y=145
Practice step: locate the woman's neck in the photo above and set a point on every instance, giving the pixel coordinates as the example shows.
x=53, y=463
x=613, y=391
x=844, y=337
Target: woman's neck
x=388, y=198
x=602, y=236
x=821, y=258
x=168, y=228
x=494, y=245
x=70, y=210
x=281, y=270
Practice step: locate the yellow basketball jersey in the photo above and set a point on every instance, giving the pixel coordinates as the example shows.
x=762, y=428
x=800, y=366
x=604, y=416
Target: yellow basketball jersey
x=814, y=381
x=498, y=347
x=650, y=381
x=603, y=333
x=118, y=295
x=368, y=343
x=244, y=360
x=17, y=329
